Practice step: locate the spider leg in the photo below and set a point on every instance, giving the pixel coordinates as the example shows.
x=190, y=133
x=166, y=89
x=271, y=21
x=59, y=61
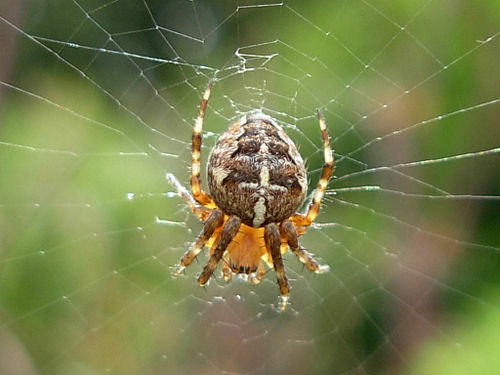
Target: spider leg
x=226, y=236
x=312, y=211
x=214, y=220
x=255, y=277
x=307, y=259
x=195, y=182
x=273, y=242
x=198, y=210
x=227, y=274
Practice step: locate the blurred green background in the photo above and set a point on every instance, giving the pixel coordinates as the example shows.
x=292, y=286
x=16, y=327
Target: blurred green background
x=97, y=101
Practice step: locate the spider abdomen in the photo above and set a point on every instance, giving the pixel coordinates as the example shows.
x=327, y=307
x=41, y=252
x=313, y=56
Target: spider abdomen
x=256, y=173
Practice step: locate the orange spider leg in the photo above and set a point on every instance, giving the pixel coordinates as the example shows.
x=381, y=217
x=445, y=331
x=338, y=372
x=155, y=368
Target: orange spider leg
x=305, y=220
x=227, y=274
x=214, y=221
x=227, y=234
x=195, y=182
x=255, y=277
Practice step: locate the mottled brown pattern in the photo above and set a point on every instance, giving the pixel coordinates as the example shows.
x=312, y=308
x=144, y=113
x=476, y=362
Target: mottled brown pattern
x=273, y=242
x=235, y=167
x=214, y=220
x=227, y=234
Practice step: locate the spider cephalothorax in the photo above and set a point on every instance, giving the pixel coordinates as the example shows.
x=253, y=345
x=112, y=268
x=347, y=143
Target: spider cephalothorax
x=257, y=181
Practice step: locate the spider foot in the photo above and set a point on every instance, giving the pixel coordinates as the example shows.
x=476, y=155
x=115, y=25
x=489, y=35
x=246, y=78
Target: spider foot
x=204, y=283
x=227, y=275
x=178, y=269
x=283, y=302
x=253, y=278
x=324, y=268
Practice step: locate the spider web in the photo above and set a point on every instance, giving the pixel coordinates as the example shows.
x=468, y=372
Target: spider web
x=99, y=105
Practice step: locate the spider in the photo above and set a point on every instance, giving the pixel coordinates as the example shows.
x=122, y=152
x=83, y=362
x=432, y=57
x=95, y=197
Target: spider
x=257, y=181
